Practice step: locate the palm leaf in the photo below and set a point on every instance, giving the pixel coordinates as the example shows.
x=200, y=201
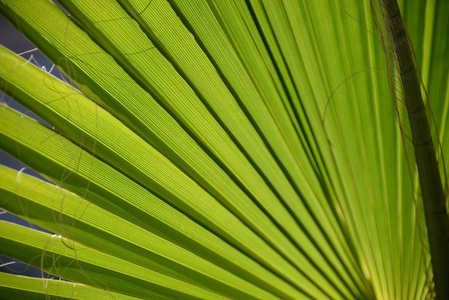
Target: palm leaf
x=217, y=149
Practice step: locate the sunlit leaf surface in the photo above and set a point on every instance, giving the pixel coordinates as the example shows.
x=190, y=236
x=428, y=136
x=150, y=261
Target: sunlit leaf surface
x=217, y=149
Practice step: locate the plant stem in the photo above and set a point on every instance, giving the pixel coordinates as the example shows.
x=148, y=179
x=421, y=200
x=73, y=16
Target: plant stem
x=437, y=220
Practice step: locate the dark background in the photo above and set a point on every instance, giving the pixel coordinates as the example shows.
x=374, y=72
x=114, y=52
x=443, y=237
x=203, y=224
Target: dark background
x=12, y=39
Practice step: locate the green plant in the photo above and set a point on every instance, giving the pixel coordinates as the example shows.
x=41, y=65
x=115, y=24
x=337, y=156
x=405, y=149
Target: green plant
x=433, y=194
x=241, y=149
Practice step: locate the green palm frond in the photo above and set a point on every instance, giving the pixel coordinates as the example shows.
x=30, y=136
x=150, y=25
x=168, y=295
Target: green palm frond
x=217, y=149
